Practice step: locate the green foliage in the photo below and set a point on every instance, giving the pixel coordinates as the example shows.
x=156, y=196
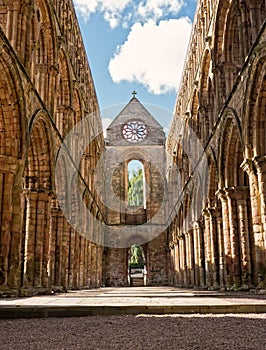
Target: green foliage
x=135, y=188
x=137, y=257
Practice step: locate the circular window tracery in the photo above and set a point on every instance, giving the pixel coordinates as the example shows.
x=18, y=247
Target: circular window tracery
x=134, y=131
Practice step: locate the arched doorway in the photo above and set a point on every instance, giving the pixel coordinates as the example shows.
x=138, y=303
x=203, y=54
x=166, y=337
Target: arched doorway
x=137, y=271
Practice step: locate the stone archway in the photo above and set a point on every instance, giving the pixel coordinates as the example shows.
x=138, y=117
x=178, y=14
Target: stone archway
x=239, y=249
x=137, y=268
x=38, y=187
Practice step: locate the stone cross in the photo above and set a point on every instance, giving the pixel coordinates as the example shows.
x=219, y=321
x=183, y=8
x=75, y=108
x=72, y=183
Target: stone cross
x=134, y=93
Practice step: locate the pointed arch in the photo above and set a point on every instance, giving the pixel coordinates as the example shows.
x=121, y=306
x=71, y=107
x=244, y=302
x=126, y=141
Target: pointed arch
x=255, y=116
x=63, y=96
x=44, y=55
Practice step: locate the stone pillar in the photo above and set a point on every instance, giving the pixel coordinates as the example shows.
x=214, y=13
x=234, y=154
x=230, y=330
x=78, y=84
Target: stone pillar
x=260, y=164
x=88, y=263
x=191, y=268
x=182, y=254
x=52, y=243
x=6, y=193
x=77, y=261
x=37, y=239
x=65, y=254
x=225, y=234
x=256, y=238
x=200, y=239
x=234, y=236
x=81, y=263
x=176, y=264
x=196, y=234
x=58, y=248
x=240, y=195
x=207, y=248
x=214, y=212
x=71, y=257
x=220, y=244
x=93, y=265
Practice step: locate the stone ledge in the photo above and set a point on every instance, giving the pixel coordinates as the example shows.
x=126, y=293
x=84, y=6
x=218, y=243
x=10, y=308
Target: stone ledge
x=7, y=312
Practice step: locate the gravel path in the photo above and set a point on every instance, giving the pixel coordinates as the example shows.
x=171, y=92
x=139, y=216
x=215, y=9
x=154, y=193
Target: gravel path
x=197, y=332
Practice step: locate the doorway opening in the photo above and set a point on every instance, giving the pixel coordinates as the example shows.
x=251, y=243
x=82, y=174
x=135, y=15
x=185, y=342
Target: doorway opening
x=137, y=271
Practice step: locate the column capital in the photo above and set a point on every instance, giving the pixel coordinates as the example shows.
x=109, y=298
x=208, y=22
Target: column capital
x=198, y=224
x=212, y=212
x=221, y=195
x=260, y=164
x=206, y=213
x=215, y=211
x=248, y=166
x=237, y=192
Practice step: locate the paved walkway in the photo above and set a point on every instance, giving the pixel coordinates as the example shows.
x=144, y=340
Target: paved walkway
x=138, y=300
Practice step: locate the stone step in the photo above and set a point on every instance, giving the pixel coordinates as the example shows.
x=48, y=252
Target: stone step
x=137, y=282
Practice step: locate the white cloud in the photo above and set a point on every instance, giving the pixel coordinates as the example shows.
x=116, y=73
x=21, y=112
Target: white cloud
x=156, y=9
x=126, y=11
x=153, y=55
x=112, y=9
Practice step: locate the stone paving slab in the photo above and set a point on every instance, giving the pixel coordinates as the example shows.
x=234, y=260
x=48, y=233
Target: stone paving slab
x=138, y=300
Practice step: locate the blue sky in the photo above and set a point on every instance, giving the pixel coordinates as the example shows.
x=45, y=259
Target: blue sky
x=136, y=45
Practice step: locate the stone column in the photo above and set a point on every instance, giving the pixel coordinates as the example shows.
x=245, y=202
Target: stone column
x=37, y=239
x=234, y=236
x=226, y=243
x=240, y=195
x=187, y=260
x=29, y=255
x=6, y=193
x=65, y=254
x=260, y=164
x=58, y=248
x=220, y=244
x=192, y=257
x=88, y=263
x=52, y=243
x=71, y=257
x=214, y=212
x=207, y=248
x=182, y=254
x=256, y=239
x=196, y=229
x=81, y=263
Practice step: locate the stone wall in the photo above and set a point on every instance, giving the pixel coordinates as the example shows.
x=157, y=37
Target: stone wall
x=45, y=89
x=142, y=225
x=218, y=236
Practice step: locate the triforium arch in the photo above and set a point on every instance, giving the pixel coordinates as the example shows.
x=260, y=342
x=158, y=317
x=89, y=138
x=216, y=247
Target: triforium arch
x=44, y=51
x=206, y=95
x=63, y=95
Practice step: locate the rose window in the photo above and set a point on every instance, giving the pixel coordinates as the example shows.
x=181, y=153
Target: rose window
x=134, y=131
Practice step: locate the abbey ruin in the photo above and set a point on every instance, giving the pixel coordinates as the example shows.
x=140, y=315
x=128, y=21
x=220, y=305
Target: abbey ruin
x=202, y=222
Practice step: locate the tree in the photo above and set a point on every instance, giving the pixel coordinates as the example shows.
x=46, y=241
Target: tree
x=135, y=188
x=137, y=257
